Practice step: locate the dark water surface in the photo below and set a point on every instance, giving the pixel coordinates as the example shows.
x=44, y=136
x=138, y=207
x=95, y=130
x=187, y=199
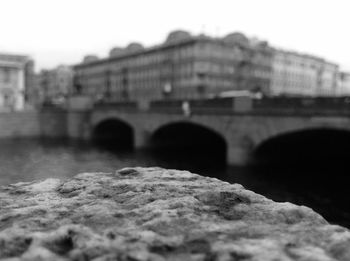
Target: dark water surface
x=325, y=190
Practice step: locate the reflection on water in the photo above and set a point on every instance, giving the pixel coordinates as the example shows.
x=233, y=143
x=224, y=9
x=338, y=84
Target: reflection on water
x=321, y=189
x=29, y=159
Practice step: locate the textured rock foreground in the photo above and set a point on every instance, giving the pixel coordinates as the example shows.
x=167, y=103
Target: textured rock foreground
x=157, y=214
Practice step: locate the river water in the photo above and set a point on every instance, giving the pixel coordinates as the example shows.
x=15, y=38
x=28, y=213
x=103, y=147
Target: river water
x=32, y=159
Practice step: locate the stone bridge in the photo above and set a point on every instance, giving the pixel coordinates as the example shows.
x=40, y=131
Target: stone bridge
x=240, y=132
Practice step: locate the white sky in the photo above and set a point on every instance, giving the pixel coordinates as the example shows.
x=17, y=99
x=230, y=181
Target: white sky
x=57, y=32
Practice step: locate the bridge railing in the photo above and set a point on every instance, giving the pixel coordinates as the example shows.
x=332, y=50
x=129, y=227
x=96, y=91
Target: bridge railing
x=125, y=105
x=241, y=105
x=302, y=105
x=166, y=106
x=213, y=106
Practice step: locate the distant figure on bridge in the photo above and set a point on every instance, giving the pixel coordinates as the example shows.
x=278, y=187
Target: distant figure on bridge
x=186, y=108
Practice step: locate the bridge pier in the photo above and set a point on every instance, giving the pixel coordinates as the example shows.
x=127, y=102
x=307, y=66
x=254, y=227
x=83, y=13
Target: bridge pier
x=141, y=138
x=78, y=118
x=239, y=150
x=78, y=125
x=237, y=156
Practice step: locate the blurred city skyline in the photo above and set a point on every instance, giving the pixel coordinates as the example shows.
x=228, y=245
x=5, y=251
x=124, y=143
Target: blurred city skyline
x=62, y=32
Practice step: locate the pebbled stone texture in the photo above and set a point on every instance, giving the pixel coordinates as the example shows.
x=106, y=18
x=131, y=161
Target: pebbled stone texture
x=158, y=214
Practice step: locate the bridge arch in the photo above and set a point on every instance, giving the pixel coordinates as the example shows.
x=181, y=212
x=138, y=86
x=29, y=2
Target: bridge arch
x=113, y=134
x=313, y=145
x=190, y=138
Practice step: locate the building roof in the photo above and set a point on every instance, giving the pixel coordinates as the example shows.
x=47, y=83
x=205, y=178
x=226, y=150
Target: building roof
x=118, y=54
x=304, y=55
x=347, y=74
x=13, y=60
x=174, y=39
x=13, y=57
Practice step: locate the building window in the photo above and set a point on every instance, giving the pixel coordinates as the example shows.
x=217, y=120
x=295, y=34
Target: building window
x=7, y=75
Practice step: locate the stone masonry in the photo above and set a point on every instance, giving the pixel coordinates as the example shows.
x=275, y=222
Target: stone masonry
x=158, y=214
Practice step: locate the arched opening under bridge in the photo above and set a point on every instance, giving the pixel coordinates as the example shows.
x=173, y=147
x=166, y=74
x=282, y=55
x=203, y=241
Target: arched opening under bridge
x=313, y=164
x=189, y=146
x=113, y=135
x=316, y=147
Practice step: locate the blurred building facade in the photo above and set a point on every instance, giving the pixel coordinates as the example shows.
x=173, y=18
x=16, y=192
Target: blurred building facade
x=195, y=67
x=55, y=84
x=298, y=74
x=33, y=94
x=16, y=80
x=184, y=66
x=344, y=84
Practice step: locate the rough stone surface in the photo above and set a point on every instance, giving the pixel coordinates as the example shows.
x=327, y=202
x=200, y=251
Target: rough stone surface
x=157, y=214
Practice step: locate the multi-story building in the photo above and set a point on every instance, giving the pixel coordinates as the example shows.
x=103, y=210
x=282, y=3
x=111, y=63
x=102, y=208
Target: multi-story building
x=16, y=78
x=33, y=94
x=343, y=84
x=56, y=84
x=184, y=66
x=302, y=75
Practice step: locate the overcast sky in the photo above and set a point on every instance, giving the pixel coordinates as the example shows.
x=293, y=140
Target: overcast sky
x=57, y=32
